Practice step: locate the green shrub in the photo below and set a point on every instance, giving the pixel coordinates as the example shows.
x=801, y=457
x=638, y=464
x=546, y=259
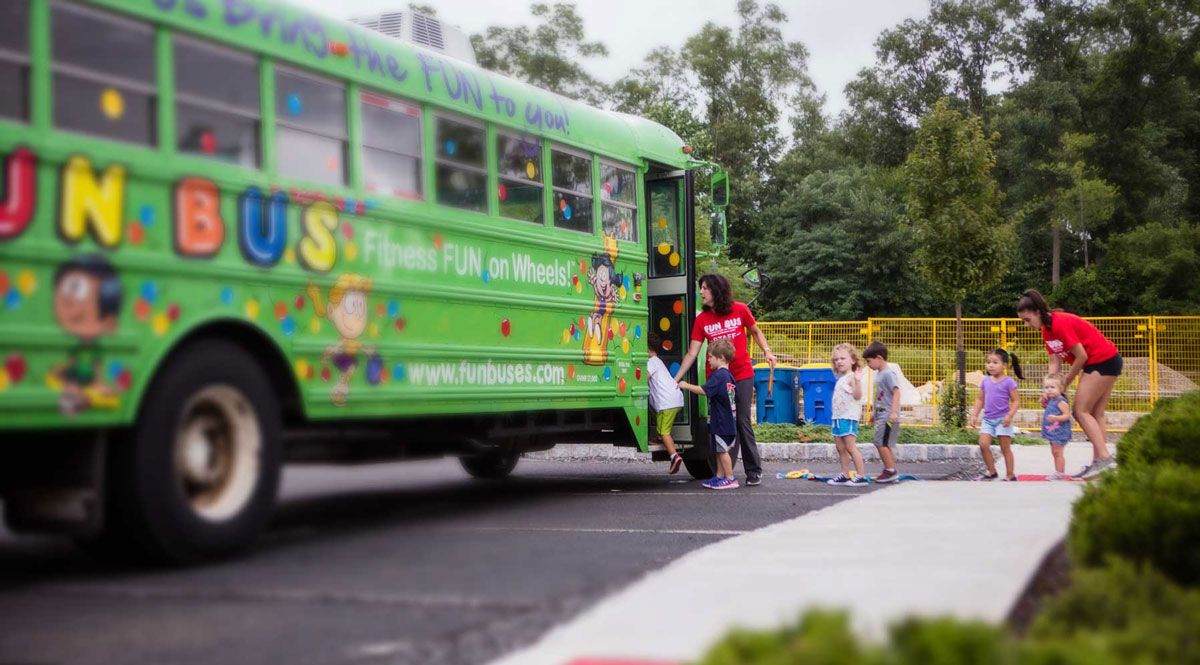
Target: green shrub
x=1132, y=611
x=775, y=432
x=952, y=405
x=943, y=641
x=1149, y=515
x=1171, y=433
x=820, y=638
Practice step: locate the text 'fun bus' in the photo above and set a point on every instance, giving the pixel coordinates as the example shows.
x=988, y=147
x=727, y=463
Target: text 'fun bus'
x=233, y=234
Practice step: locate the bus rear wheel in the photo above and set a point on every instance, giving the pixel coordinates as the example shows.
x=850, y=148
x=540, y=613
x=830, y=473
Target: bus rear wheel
x=197, y=476
x=491, y=465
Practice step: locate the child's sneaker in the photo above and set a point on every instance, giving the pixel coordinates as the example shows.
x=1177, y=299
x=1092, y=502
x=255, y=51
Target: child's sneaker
x=840, y=479
x=887, y=476
x=1058, y=475
x=986, y=476
x=676, y=462
x=726, y=484
x=859, y=481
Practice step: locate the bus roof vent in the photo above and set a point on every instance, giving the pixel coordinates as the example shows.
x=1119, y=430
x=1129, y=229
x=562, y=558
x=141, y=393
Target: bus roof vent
x=428, y=31
x=421, y=29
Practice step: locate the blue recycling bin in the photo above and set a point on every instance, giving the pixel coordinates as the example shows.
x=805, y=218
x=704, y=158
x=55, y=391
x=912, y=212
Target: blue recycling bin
x=817, y=384
x=783, y=406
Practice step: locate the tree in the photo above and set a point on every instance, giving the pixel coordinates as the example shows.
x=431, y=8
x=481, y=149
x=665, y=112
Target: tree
x=1079, y=202
x=963, y=244
x=837, y=250
x=744, y=77
x=663, y=90
x=548, y=56
x=953, y=53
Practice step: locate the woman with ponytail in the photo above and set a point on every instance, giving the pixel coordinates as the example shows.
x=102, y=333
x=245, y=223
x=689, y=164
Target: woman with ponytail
x=1090, y=356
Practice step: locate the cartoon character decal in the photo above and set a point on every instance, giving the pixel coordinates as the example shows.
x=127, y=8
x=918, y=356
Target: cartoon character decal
x=87, y=302
x=348, y=312
x=606, y=285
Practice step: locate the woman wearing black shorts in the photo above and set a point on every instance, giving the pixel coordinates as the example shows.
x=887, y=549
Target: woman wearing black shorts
x=1092, y=357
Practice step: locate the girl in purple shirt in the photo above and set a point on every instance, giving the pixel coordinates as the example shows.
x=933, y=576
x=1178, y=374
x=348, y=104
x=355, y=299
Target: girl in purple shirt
x=999, y=399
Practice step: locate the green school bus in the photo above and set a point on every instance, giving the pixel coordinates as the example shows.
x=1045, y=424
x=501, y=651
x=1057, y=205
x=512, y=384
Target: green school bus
x=234, y=234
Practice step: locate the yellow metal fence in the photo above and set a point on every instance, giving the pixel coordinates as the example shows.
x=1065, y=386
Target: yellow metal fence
x=1161, y=354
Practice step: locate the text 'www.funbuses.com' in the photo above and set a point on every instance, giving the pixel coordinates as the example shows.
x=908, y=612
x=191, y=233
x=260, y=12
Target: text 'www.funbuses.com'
x=486, y=373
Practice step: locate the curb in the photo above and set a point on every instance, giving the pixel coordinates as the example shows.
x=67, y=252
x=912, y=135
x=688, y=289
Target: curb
x=772, y=452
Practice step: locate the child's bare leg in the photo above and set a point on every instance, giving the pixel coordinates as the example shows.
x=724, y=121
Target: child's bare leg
x=843, y=454
x=1006, y=451
x=886, y=456
x=724, y=465
x=852, y=449
x=985, y=451
x=669, y=443
x=1059, y=464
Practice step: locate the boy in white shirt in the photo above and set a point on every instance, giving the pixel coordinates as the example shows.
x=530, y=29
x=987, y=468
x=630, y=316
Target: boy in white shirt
x=666, y=399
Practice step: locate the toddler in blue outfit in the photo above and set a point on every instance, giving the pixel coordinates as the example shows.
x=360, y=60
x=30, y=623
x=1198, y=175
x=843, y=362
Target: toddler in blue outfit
x=1056, y=422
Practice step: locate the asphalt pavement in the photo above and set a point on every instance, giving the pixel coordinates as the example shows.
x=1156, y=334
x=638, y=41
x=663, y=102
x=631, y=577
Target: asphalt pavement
x=397, y=563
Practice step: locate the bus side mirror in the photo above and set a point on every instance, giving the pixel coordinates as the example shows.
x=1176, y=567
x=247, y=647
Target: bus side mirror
x=752, y=277
x=720, y=189
x=716, y=228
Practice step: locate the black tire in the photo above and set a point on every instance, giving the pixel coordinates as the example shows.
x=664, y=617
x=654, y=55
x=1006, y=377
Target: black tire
x=699, y=467
x=490, y=466
x=197, y=476
x=702, y=464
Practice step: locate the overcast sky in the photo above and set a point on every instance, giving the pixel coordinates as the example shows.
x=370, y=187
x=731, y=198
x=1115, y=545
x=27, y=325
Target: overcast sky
x=839, y=35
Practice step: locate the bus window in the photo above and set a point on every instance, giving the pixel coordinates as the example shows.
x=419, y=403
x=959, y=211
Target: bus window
x=572, y=180
x=103, y=74
x=461, y=171
x=520, y=188
x=217, y=107
x=391, y=146
x=618, y=202
x=310, y=127
x=14, y=59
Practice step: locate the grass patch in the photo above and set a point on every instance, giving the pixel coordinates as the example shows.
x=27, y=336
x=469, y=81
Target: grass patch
x=781, y=433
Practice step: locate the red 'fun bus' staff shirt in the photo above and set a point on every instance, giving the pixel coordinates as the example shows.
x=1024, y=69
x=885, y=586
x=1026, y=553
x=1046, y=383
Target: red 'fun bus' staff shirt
x=732, y=326
x=1067, y=330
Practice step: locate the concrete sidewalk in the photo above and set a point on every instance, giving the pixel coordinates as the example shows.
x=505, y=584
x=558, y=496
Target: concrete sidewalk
x=1029, y=459
x=926, y=548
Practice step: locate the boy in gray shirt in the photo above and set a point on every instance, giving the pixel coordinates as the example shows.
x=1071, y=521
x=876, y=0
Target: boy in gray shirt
x=886, y=411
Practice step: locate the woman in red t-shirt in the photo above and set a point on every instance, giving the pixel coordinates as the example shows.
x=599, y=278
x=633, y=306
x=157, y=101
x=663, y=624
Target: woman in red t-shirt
x=1092, y=357
x=723, y=318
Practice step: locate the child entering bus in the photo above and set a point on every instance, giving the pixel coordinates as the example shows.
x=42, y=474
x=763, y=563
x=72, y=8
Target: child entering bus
x=665, y=398
x=722, y=403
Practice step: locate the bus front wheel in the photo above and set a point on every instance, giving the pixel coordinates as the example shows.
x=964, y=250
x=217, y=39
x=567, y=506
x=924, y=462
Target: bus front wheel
x=702, y=464
x=197, y=476
x=491, y=465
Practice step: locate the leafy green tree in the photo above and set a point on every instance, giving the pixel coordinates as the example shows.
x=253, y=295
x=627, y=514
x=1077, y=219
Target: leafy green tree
x=548, y=55
x=1079, y=203
x=744, y=76
x=663, y=91
x=837, y=250
x=953, y=53
x=1149, y=270
x=963, y=244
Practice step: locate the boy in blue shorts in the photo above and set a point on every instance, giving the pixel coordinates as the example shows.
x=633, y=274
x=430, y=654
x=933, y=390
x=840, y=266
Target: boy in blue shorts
x=722, y=428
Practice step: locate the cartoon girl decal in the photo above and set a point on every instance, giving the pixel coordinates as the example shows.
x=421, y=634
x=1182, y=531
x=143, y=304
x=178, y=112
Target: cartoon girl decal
x=606, y=285
x=348, y=312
